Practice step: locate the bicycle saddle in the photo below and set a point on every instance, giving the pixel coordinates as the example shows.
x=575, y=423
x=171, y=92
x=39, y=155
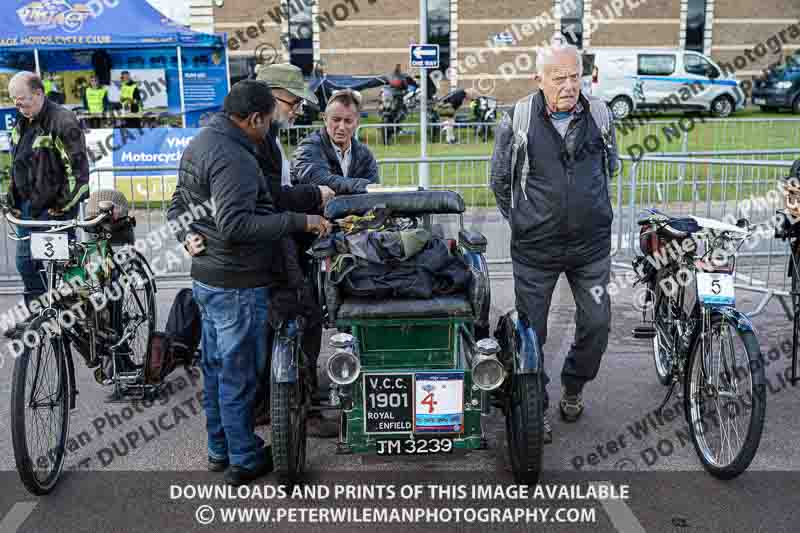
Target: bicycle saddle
x=675, y=227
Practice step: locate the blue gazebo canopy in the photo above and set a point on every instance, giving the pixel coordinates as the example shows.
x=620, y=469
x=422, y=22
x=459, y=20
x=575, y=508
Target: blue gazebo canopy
x=64, y=24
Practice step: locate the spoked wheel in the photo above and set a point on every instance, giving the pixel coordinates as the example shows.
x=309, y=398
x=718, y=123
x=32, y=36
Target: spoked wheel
x=725, y=397
x=525, y=427
x=40, y=412
x=289, y=405
x=663, y=341
x=137, y=309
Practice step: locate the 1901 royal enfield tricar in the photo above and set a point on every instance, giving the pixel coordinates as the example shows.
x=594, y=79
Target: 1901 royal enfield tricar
x=410, y=376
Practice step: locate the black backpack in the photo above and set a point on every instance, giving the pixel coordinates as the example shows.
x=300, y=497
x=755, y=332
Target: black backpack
x=178, y=344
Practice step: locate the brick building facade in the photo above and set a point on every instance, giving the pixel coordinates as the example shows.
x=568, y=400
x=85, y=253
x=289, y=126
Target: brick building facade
x=492, y=44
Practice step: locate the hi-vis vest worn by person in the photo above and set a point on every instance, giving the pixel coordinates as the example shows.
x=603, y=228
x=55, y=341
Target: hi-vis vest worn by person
x=94, y=99
x=126, y=93
x=48, y=87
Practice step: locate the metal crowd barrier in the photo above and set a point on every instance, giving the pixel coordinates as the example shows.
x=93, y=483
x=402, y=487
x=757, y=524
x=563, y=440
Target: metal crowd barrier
x=713, y=187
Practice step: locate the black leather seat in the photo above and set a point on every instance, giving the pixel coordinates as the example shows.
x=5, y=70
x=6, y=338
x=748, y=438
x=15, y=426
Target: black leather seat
x=400, y=203
x=675, y=227
x=437, y=307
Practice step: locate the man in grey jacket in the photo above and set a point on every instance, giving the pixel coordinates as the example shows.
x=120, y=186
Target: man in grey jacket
x=557, y=203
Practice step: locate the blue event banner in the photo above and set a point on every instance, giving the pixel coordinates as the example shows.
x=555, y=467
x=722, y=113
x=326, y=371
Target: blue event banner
x=158, y=147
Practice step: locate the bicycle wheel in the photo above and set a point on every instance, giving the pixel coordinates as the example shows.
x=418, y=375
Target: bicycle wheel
x=40, y=413
x=663, y=341
x=725, y=397
x=138, y=309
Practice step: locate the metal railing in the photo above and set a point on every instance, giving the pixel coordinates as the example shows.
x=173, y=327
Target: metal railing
x=717, y=186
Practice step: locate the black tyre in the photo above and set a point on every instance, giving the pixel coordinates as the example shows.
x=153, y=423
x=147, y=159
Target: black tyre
x=525, y=427
x=796, y=106
x=136, y=311
x=725, y=398
x=289, y=414
x=722, y=106
x=621, y=107
x=40, y=412
x=662, y=343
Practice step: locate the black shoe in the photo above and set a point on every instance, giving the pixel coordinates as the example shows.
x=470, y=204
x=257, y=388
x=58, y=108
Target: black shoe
x=571, y=406
x=237, y=475
x=217, y=465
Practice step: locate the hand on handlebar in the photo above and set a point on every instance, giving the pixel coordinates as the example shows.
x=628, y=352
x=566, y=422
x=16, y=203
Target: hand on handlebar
x=327, y=193
x=317, y=224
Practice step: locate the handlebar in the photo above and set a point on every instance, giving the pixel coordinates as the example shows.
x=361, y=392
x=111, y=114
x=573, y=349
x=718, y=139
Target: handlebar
x=56, y=225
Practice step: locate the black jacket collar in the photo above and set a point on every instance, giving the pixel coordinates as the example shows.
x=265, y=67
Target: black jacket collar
x=224, y=125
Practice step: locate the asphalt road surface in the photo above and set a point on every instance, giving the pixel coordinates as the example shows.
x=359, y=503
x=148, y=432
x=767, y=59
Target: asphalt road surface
x=118, y=480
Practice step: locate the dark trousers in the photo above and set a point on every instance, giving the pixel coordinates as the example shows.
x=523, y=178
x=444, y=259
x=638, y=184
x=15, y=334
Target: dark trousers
x=533, y=289
x=29, y=270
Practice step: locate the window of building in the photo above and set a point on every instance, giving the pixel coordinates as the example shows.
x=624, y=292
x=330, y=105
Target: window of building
x=656, y=65
x=695, y=25
x=301, y=36
x=572, y=21
x=242, y=68
x=439, y=29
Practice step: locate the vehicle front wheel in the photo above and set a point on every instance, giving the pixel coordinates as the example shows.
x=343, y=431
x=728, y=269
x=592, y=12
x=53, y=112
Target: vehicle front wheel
x=525, y=427
x=796, y=106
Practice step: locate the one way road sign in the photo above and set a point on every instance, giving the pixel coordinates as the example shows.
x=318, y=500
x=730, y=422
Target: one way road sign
x=424, y=55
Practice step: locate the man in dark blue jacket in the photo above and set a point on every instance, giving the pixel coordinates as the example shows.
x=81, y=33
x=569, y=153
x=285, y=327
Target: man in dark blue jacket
x=333, y=156
x=229, y=166
x=553, y=189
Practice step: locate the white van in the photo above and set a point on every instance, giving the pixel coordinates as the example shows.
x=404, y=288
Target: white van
x=662, y=80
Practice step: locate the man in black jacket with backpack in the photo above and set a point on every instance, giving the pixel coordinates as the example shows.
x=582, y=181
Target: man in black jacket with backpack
x=230, y=167
x=553, y=158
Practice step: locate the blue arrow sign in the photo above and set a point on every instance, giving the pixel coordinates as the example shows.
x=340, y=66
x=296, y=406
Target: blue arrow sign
x=424, y=55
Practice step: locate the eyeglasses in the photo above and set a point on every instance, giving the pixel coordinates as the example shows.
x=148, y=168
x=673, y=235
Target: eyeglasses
x=293, y=106
x=341, y=92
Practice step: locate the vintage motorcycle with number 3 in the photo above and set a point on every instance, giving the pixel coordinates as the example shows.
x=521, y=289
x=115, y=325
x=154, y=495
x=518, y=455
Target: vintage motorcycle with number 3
x=98, y=303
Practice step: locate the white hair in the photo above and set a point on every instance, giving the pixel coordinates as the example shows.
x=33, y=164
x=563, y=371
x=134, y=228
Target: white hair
x=546, y=55
x=22, y=77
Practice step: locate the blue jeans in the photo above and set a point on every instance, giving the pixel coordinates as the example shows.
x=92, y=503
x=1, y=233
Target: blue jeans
x=234, y=350
x=29, y=270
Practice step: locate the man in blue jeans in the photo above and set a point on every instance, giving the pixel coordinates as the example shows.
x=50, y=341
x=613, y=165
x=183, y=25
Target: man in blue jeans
x=226, y=166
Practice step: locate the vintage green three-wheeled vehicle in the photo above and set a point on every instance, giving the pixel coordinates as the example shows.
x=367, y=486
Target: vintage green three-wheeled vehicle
x=410, y=375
